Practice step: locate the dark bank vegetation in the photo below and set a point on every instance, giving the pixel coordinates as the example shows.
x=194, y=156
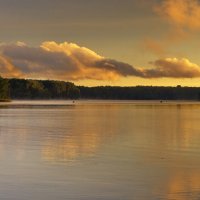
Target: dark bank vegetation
x=4, y=88
x=48, y=89
x=38, y=89
x=141, y=93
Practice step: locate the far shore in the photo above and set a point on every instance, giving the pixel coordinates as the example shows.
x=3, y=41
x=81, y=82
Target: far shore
x=5, y=100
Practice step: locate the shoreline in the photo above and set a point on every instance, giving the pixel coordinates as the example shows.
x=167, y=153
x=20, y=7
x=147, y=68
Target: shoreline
x=5, y=100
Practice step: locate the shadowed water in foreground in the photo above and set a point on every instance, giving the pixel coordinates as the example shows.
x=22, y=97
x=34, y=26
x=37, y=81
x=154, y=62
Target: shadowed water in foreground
x=99, y=150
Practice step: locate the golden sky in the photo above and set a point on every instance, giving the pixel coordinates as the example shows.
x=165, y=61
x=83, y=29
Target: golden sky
x=107, y=42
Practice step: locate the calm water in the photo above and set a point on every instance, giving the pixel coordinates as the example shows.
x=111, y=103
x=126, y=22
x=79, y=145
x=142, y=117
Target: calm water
x=100, y=150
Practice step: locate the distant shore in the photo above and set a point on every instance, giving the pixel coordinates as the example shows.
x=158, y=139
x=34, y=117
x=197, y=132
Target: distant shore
x=27, y=89
x=5, y=100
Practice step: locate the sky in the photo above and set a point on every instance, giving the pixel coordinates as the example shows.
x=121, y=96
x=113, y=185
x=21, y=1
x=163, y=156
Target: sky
x=102, y=42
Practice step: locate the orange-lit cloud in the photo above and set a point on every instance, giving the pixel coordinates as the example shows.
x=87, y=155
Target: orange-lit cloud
x=7, y=69
x=184, y=20
x=174, y=68
x=182, y=13
x=68, y=61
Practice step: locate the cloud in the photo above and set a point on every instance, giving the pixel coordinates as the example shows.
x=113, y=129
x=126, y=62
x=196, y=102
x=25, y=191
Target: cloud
x=6, y=68
x=65, y=61
x=181, y=13
x=68, y=61
x=184, y=20
x=173, y=68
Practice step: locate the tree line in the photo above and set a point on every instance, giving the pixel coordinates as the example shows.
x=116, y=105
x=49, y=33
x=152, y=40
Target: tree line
x=48, y=89
x=37, y=89
x=4, y=89
x=140, y=93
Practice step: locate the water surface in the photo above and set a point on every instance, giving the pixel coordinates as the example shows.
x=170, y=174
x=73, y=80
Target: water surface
x=99, y=150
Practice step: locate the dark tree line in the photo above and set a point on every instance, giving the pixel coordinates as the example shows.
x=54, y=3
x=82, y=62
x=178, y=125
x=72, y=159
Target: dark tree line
x=4, y=89
x=47, y=89
x=39, y=89
x=141, y=93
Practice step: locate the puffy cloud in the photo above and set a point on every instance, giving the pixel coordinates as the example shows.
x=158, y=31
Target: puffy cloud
x=68, y=61
x=65, y=61
x=182, y=13
x=174, y=68
x=7, y=69
x=52, y=60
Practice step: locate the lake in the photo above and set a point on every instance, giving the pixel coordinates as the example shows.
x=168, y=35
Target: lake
x=99, y=150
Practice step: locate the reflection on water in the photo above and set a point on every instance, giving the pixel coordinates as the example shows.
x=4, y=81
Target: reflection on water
x=56, y=134
x=69, y=149
x=100, y=150
x=184, y=185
